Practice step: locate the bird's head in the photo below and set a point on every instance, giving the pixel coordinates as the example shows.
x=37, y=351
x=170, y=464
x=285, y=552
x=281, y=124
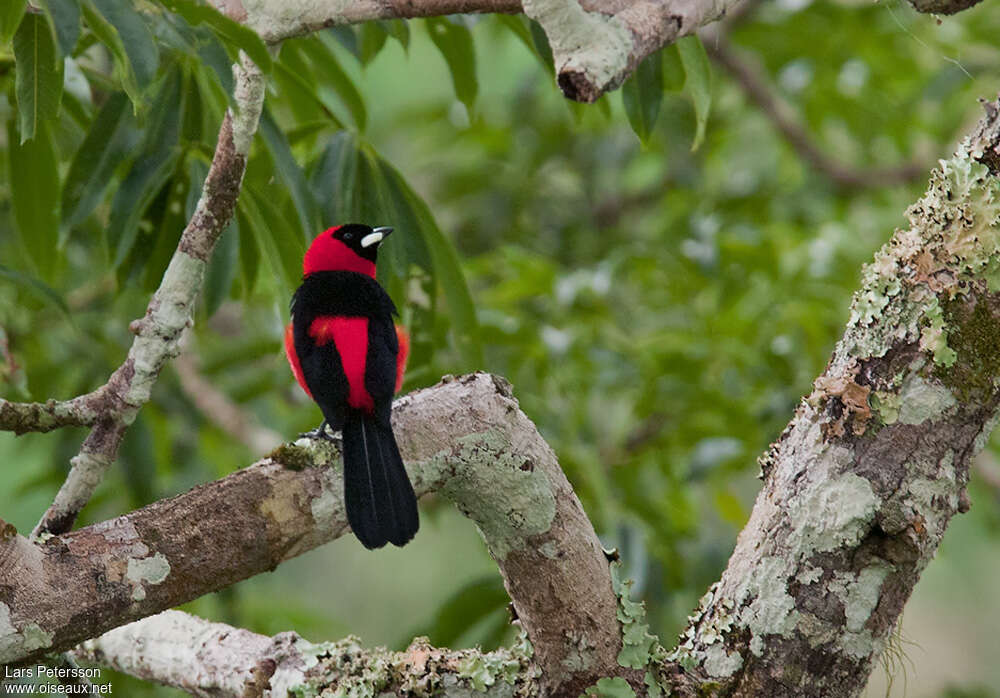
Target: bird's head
x=351, y=247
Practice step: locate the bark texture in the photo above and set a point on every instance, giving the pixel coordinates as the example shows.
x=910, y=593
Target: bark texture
x=465, y=438
x=596, y=44
x=215, y=660
x=860, y=487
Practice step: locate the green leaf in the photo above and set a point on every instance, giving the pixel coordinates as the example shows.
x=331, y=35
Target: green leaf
x=34, y=187
x=290, y=173
x=697, y=82
x=465, y=608
x=332, y=78
x=230, y=32
x=249, y=255
x=39, y=74
x=399, y=30
x=282, y=249
x=107, y=144
x=642, y=95
x=370, y=42
x=303, y=95
x=447, y=268
x=221, y=268
x=137, y=461
x=155, y=163
x=454, y=41
x=65, y=17
x=143, y=182
x=173, y=219
x=135, y=37
x=37, y=287
x=108, y=35
x=213, y=54
x=532, y=36
x=672, y=68
x=11, y=13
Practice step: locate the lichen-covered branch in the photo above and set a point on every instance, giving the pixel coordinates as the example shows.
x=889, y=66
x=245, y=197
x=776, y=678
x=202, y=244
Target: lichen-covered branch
x=860, y=487
x=82, y=411
x=169, y=312
x=465, y=438
x=219, y=661
x=595, y=44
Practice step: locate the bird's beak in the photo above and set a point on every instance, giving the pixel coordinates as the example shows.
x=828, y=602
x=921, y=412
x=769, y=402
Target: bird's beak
x=376, y=236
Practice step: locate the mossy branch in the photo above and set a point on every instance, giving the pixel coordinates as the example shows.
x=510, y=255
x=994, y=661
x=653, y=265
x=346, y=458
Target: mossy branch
x=861, y=485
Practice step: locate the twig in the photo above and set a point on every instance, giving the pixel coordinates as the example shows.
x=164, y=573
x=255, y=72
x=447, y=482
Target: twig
x=754, y=83
x=82, y=411
x=170, y=310
x=221, y=411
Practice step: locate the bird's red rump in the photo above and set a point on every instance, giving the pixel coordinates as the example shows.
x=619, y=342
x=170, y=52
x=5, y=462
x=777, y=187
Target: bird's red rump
x=350, y=336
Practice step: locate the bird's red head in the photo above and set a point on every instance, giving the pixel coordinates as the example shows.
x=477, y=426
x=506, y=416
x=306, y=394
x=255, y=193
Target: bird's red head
x=351, y=247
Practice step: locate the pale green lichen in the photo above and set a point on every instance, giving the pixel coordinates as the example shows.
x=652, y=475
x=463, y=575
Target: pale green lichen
x=707, y=625
x=592, y=43
x=328, y=506
x=637, y=642
x=344, y=669
x=484, y=670
x=934, y=337
x=829, y=514
x=580, y=653
x=861, y=595
x=150, y=570
x=722, y=663
x=953, y=240
x=886, y=405
x=14, y=643
x=942, y=486
x=476, y=470
x=921, y=400
x=616, y=687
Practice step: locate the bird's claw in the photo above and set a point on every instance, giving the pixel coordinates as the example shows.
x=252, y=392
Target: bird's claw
x=320, y=433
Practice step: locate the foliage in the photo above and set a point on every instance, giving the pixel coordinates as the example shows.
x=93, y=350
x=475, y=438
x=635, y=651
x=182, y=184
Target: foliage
x=659, y=302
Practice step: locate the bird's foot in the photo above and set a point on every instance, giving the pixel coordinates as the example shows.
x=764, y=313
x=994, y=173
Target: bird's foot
x=321, y=432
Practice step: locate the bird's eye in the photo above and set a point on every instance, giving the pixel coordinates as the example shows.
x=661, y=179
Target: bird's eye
x=348, y=236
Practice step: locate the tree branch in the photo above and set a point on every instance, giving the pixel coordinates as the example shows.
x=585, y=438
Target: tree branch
x=754, y=83
x=943, y=7
x=219, y=661
x=216, y=406
x=465, y=438
x=169, y=312
x=595, y=44
x=82, y=411
x=859, y=488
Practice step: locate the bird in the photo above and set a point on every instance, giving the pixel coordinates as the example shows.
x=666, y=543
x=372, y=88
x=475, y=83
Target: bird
x=348, y=355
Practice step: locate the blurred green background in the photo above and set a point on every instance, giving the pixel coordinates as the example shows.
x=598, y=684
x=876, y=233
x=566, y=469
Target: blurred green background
x=658, y=309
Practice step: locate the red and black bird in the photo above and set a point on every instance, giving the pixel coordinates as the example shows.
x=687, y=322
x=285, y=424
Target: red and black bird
x=347, y=354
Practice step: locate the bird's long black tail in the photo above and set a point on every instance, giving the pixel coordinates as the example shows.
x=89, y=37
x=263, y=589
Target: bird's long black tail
x=381, y=505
